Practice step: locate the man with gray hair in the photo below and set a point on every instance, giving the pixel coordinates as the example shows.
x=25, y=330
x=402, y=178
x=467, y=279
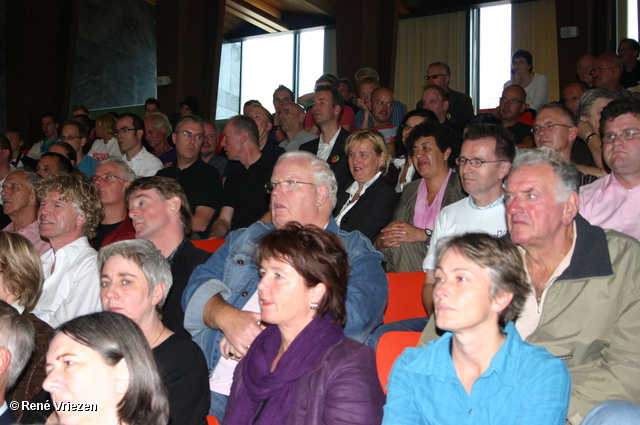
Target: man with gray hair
x=460, y=105
x=112, y=178
x=586, y=287
x=607, y=72
x=157, y=130
x=221, y=301
x=17, y=341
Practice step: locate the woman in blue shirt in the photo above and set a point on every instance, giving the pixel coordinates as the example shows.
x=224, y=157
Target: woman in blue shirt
x=480, y=371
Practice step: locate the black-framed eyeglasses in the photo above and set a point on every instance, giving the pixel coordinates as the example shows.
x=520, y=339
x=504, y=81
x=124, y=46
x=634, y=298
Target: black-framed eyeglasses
x=124, y=130
x=475, y=162
x=625, y=136
x=199, y=137
x=106, y=178
x=69, y=138
x=407, y=127
x=434, y=76
x=511, y=101
x=286, y=185
x=547, y=127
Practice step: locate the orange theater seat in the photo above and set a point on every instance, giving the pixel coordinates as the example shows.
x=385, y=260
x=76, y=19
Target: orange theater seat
x=390, y=346
x=212, y=420
x=405, y=296
x=209, y=245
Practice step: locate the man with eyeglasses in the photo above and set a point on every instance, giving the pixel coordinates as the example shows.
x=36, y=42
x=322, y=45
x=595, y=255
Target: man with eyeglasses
x=75, y=133
x=512, y=105
x=245, y=199
x=613, y=202
x=112, y=178
x=607, y=72
x=628, y=51
x=200, y=181
x=130, y=134
x=484, y=161
x=584, y=67
x=460, y=105
x=556, y=128
x=221, y=301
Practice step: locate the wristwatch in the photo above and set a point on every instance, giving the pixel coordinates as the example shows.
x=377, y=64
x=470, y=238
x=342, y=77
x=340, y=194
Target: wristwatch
x=428, y=232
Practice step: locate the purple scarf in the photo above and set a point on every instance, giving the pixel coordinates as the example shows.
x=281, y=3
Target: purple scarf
x=279, y=386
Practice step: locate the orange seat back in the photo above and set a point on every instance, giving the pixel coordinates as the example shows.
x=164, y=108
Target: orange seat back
x=210, y=245
x=212, y=420
x=390, y=346
x=405, y=296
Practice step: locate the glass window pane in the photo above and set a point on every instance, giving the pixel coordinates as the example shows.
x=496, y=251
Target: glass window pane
x=267, y=62
x=632, y=19
x=495, y=53
x=229, y=81
x=311, y=64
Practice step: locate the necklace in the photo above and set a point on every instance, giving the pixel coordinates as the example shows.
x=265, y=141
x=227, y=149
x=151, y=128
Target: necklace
x=153, y=344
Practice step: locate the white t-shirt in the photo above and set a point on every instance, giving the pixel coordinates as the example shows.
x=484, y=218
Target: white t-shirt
x=100, y=150
x=464, y=217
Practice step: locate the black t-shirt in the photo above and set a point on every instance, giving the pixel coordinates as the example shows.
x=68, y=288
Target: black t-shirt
x=520, y=130
x=102, y=232
x=202, y=185
x=244, y=191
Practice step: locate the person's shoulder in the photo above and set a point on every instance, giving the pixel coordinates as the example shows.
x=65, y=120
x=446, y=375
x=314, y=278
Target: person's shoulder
x=170, y=171
x=620, y=243
x=348, y=350
x=589, y=190
x=357, y=243
x=311, y=146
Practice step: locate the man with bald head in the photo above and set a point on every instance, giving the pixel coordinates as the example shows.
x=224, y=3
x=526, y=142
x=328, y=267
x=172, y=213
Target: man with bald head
x=381, y=109
x=512, y=105
x=264, y=121
x=608, y=72
x=572, y=93
x=584, y=67
x=291, y=117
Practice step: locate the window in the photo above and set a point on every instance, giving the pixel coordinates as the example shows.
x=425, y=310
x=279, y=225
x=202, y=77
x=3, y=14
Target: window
x=632, y=19
x=254, y=68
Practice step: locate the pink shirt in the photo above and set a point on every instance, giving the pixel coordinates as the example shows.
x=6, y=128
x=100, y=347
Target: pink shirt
x=607, y=204
x=31, y=232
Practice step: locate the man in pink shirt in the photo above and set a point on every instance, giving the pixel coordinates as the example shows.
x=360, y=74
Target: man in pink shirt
x=21, y=206
x=613, y=202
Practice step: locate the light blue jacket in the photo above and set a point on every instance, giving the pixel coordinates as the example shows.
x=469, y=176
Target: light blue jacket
x=232, y=272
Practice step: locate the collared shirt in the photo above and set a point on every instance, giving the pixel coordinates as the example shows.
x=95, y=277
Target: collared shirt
x=353, y=191
x=324, y=149
x=606, y=203
x=31, y=232
x=144, y=164
x=71, y=283
x=523, y=384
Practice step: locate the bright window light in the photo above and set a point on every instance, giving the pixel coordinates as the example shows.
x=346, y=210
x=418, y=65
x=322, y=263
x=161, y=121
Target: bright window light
x=495, y=53
x=311, y=63
x=267, y=62
x=632, y=19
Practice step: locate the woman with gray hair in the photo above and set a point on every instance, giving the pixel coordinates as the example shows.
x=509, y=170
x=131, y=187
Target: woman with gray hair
x=135, y=279
x=480, y=365
x=590, y=106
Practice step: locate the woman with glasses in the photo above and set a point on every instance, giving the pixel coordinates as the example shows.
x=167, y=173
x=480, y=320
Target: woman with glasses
x=534, y=84
x=301, y=369
x=368, y=203
x=404, y=242
x=480, y=370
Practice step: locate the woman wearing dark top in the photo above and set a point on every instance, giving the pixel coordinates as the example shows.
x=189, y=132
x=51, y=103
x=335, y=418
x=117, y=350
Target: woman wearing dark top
x=135, y=279
x=302, y=369
x=368, y=203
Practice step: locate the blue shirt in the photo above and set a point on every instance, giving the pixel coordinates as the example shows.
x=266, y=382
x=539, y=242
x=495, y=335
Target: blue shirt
x=523, y=385
x=87, y=166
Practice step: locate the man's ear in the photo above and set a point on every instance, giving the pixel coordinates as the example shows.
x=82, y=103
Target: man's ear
x=5, y=359
x=174, y=136
x=570, y=209
x=174, y=204
x=322, y=195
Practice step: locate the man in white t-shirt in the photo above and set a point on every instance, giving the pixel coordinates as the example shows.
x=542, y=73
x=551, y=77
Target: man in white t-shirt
x=484, y=161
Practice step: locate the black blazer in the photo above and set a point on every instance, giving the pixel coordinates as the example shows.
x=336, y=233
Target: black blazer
x=7, y=417
x=372, y=211
x=338, y=159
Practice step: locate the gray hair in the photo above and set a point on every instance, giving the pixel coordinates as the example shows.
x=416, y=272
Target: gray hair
x=567, y=173
x=17, y=335
x=370, y=72
x=160, y=120
x=322, y=174
x=125, y=170
x=445, y=67
x=589, y=98
x=190, y=118
x=146, y=256
x=32, y=177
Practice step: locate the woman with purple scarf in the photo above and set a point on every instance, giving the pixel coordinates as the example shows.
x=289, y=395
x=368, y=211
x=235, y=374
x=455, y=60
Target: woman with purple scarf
x=302, y=369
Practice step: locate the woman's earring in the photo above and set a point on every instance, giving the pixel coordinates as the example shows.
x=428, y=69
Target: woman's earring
x=313, y=305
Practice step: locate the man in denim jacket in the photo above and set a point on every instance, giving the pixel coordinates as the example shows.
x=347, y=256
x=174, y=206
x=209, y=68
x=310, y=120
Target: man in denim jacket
x=221, y=300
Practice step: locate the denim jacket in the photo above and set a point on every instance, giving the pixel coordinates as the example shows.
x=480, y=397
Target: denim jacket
x=232, y=272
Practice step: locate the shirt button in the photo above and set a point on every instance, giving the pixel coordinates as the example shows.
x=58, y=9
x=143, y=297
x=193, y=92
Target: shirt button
x=245, y=293
x=470, y=411
x=241, y=262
